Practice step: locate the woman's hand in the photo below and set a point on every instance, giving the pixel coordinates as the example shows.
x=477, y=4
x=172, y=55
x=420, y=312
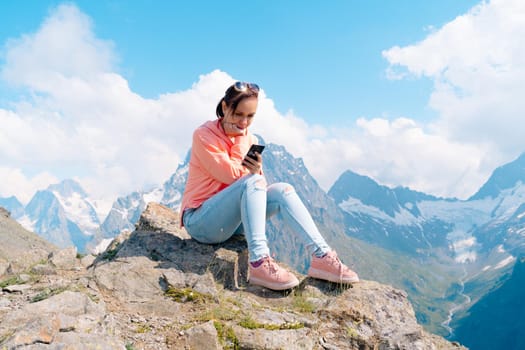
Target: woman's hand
x=253, y=166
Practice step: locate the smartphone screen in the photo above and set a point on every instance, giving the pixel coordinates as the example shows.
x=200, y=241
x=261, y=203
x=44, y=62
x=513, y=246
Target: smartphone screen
x=255, y=148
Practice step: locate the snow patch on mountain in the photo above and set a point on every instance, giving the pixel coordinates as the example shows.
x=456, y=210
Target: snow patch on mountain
x=102, y=246
x=505, y=262
x=154, y=195
x=27, y=222
x=509, y=202
x=402, y=218
x=520, y=232
x=464, y=214
x=464, y=246
x=79, y=211
x=101, y=207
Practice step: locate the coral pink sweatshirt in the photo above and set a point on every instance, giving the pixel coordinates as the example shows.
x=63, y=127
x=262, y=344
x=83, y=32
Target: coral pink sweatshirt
x=215, y=163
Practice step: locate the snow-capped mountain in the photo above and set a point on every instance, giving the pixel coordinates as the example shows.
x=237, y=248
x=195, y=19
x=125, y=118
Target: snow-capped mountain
x=126, y=210
x=77, y=205
x=403, y=219
x=390, y=218
x=503, y=178
x=482, y=236
x=62, y=214
x=124, y=213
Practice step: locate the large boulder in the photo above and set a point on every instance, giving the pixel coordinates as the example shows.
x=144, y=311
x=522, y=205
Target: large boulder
x=19, y=248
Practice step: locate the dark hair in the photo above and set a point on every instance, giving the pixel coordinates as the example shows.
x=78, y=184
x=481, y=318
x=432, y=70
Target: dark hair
x=233, y=97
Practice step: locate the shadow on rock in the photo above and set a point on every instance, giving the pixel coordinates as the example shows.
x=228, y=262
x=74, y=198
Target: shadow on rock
x=160, y=249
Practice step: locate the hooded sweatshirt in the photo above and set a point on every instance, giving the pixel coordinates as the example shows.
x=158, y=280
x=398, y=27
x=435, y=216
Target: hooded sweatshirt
x=215, y=163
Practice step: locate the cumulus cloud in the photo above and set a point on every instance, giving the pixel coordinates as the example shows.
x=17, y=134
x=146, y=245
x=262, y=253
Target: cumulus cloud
x=78, y=117
x=64, y=46
x=477, y=63
x=14, y=181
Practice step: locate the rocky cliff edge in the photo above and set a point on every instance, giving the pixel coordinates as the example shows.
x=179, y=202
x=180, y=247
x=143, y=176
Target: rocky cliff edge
x=155, y=288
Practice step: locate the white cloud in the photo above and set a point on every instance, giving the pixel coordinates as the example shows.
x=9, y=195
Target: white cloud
x=398, y=152
x=64, y=46
x=477, y=62
x=15, y=182
x=82, y=120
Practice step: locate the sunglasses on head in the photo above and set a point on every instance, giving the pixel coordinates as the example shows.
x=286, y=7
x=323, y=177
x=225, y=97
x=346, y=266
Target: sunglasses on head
x=242, y=86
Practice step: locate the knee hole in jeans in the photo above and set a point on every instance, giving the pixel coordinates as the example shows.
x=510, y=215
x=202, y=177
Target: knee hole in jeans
x=288, y=189
x=260, y=184
x=256, y=181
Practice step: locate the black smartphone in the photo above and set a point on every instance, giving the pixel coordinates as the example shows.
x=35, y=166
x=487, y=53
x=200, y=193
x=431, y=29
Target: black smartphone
x=255, y=148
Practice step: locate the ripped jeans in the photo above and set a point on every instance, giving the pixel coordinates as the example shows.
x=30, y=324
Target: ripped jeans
x=243, y=207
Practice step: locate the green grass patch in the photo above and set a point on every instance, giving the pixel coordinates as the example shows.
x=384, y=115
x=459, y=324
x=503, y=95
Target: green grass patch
x=221, y=312
x=10, y=281
x=143, y=328
x=227, y=336
x=249, y=323
x=302, y=304
x=47, y=293
x=184, y=295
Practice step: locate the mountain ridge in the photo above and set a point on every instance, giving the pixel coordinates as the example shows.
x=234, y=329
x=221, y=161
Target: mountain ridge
x=503, y=177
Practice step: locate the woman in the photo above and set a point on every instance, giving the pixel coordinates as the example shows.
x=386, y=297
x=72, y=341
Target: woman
x=226, y=193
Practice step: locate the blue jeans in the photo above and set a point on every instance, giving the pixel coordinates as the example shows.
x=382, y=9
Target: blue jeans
x=243, y=207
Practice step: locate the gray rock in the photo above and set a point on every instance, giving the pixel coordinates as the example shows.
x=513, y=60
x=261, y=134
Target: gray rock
x=70, y=303
x=4, y=303
x=24, y=278
x=35, y=331
x=65, y=258
x=20, y=248
x=203, y=337
x=43, y=269
x=4, y=212
x=17, y=288
x=71, y=340
x=88, y=260
x=4, y=267
x=261, y=339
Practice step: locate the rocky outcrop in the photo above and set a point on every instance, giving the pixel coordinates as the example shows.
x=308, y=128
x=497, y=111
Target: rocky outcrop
x=155, y=288
x=19, y=248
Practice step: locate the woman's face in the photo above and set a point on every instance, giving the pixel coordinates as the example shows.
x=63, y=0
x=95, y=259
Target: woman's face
x=243, y=116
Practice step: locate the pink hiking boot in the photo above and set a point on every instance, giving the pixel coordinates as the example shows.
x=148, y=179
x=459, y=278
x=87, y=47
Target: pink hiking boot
x=330, y=268
x=270, y=275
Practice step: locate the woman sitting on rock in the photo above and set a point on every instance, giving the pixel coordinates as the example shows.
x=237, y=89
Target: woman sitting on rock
x=226, y=193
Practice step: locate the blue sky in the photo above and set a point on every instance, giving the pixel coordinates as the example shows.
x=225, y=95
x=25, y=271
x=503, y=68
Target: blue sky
x=395, y=90
x=321, y=59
